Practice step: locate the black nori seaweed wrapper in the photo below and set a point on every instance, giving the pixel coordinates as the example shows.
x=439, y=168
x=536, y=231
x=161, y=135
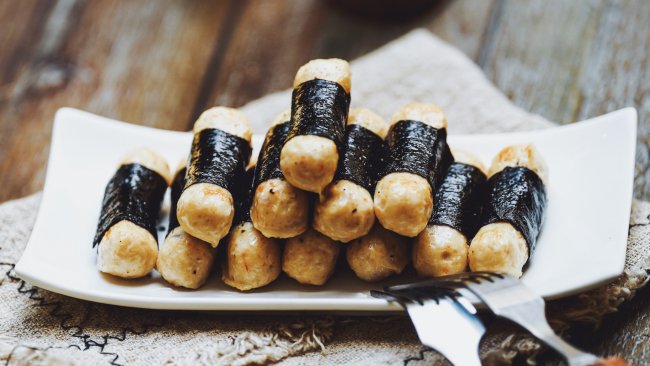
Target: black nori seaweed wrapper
x=517, y=196
x=320, y=108
x=417, y=148
x=177, y=188
x=459, y=198
x=134, y=193
x=361, y=157
x=243, y=195
x=218, y=158
x=268, y=161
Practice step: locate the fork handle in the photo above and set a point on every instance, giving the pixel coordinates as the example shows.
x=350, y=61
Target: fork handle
x=611, y=361
x=574, y=356
x=539, y=327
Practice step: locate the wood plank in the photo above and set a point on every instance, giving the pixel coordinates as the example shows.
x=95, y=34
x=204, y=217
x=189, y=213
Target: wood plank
x=569, y=61
x=14, y=48
x=272, y=39
x=617, y=74
x=161, y=64
x=15, y=37
x=463, y=24
x=535, y=51
x=140, y=62
x=573, y=60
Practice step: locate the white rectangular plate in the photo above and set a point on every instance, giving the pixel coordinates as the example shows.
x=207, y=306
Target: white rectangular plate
x=582, y=245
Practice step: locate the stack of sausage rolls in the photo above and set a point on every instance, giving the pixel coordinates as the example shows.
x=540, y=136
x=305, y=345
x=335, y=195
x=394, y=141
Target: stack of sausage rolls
x=327, y=179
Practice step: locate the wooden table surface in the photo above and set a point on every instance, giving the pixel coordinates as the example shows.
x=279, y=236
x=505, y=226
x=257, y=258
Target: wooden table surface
x=161, y=62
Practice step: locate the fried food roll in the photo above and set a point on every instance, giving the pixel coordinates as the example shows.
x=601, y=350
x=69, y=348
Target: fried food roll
x=319, y=111
x=513, y=212
x=378, y=255
x=126, y=232
x=183, y=260
x=345, y=210
x=418, y=158
x=252, y=260
x=310, y=258
x=279, y=210
x=220, y=152
x=441, y=248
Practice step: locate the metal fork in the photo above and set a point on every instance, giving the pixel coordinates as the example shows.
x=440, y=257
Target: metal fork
x=443, y=321
x=508, y=297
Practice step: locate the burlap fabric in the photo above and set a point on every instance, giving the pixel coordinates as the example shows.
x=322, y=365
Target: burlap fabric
x=40, y=327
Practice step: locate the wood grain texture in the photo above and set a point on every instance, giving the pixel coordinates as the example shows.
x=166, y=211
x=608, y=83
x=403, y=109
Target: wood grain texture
x=136, y=61
x=572, y=60
x=272, y=39
x=616, y=74
x=160, y=63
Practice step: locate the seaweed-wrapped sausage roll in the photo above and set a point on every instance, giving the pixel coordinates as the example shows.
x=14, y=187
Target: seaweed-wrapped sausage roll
x=319, y=110
x=378, y=255
x=418, y=160
x=513, y=211
x=279, y=210
x=220, y=152
x=310, y=258
x=126, y=233
x=183, y=260
x=252, y=260
x=345, y=210
x=441, y=248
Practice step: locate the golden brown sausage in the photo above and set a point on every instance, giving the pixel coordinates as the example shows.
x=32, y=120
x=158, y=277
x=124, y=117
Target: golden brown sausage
x=310, y=258
x=252, y=260
x=441, y=248
x=220, y=150
x=126, y=233
x=517, y=180
x=345, y=210
x=320, y=104
x=279, y=210
x=183, y=260
x=378, y=255
x=419, y=157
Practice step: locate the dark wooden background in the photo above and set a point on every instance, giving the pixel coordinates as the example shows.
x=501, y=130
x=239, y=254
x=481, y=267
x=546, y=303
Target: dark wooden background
x=161, y=62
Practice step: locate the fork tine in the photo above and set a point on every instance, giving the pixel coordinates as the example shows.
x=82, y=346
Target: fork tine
x=505, y=295
x=416, y=294
x=508, y=297
x=431, y=283
x=399, y=297
x=384, y=295
x=450, y=282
